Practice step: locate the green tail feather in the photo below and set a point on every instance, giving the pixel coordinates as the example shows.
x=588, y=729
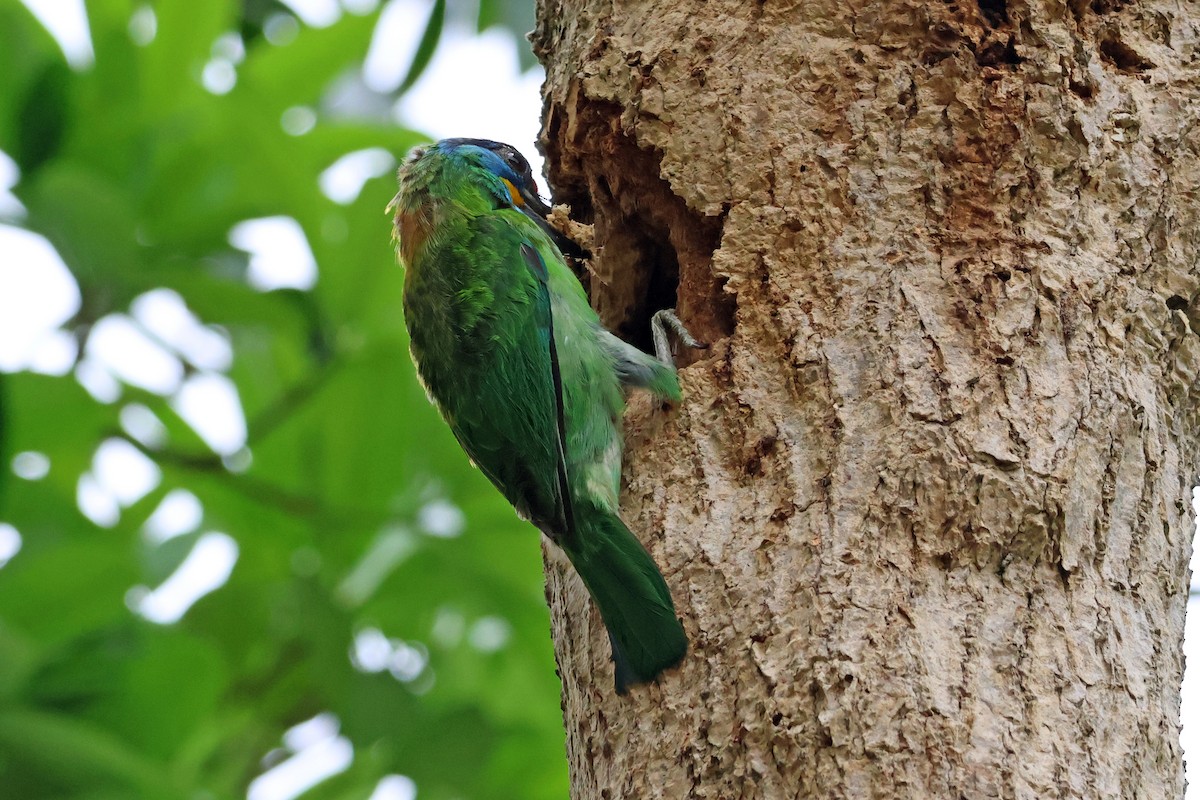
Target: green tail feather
x=632, y=596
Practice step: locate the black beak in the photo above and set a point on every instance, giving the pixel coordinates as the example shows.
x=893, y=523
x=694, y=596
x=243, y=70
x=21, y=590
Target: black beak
x=535, y=203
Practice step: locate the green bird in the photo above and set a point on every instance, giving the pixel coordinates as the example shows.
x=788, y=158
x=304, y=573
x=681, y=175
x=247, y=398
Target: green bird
x=517, y=362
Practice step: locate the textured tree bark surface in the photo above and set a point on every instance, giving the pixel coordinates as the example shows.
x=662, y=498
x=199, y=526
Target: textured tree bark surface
x=925, y=507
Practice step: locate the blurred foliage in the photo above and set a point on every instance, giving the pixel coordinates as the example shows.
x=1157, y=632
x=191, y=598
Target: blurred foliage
x=136, y=173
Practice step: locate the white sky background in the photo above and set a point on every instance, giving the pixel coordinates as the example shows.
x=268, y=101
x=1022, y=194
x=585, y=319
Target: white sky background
x=473, y=87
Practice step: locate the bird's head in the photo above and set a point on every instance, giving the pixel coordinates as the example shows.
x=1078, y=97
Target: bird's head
x=497, y=169
x=473, y=172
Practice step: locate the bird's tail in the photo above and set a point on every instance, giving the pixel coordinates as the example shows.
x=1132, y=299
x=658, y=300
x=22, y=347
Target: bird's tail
x=632, y=596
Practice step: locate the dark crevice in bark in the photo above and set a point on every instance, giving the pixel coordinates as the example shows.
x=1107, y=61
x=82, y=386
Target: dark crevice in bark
x=651, y=251
x=1085, y=90
x=1108, y=6
x=985, y=29
x=1122, y=56
x=997, y=54
x=994, y=11
x=1079, y=8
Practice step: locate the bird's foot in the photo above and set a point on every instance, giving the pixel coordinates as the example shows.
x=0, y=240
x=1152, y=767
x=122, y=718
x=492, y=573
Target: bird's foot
x=659, y=323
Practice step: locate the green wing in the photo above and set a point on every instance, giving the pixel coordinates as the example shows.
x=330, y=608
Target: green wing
x=483, y=335
x=545, y=314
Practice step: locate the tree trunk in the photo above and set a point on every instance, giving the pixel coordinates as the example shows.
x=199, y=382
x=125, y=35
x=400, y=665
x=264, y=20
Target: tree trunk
x=925, y=508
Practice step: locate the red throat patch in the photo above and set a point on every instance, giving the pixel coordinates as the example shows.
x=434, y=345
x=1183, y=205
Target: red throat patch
x=412, y=228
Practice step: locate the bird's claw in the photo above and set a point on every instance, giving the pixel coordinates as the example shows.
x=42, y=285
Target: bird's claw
x=659, y=323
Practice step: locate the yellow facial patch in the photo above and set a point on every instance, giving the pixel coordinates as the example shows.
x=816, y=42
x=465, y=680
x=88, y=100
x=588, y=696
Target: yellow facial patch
x=513, y=193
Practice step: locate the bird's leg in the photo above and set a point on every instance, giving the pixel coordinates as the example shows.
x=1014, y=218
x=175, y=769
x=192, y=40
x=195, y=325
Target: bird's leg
x=659, y=323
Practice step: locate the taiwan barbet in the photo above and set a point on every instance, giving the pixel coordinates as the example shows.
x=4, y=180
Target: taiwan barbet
x=516, y=361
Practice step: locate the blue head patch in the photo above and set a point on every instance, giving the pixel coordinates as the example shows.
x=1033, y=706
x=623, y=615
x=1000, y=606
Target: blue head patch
x=505, y=163
x=500, y=159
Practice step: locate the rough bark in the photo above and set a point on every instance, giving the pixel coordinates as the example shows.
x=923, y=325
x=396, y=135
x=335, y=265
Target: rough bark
x=925, y=508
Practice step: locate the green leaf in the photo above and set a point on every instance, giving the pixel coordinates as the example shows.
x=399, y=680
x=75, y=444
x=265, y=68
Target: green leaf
x=73, y=754
x=26, y=53
x=90, y=221
x=172, y=65
x=94, y=597
x=276, y=77
x=42, y=116
x=425, y=48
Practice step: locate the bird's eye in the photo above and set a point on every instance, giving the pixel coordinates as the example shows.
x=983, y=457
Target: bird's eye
x=514, y=160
